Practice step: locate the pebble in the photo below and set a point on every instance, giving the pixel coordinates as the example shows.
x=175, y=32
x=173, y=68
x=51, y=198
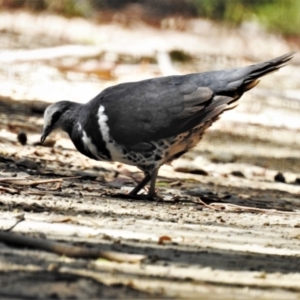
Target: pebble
x=297, y=180
x=238, y=174
x=279, y=177
x=22, y=138
x=191, y=170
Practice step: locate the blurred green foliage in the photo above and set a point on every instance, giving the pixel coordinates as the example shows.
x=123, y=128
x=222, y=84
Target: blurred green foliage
x=281, y=16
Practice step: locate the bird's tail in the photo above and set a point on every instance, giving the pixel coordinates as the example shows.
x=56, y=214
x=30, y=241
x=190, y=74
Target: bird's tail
x=264, y=68
x=239, y=81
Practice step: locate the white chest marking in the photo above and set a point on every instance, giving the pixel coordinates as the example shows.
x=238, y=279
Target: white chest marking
x=115, y=150
x=88, y=144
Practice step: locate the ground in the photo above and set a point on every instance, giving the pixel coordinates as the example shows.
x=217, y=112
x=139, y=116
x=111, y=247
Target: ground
x=228, y=223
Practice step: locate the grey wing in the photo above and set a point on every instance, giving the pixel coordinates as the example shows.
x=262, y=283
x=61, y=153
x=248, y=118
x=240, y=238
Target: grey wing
x=158, y=108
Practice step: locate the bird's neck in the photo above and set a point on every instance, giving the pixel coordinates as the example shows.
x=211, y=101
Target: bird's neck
x=69, y=118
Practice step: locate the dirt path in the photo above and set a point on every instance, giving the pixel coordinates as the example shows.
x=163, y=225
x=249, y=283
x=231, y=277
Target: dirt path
x=226, y=228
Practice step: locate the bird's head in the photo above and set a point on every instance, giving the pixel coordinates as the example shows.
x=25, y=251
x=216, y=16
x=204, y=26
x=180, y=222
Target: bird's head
x=55, y=117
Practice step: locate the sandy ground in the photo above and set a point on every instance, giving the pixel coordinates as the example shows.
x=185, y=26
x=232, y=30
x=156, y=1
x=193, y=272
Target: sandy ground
x=225, y=229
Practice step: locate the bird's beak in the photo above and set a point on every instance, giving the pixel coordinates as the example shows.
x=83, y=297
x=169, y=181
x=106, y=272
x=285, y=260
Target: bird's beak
x=46, y=132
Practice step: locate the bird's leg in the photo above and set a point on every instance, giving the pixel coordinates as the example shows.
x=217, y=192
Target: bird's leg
x=146, y=179
x=151, y=192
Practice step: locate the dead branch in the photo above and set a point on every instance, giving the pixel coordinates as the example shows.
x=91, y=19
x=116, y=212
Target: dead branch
x=20, y=218
x=67, y=250
x=8, y=190
x=43, y=193
x=24, y=181
x=238, y=208
x=206, y=205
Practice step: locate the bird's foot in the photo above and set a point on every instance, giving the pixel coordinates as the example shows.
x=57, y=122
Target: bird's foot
x=151, y=194
x=148, y=197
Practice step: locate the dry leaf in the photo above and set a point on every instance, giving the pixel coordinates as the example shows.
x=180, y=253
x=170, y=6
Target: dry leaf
x=164, y=239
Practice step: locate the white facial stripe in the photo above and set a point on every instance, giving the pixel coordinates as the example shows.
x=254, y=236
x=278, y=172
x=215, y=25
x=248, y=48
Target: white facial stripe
x=49, y=112
x=47, y=117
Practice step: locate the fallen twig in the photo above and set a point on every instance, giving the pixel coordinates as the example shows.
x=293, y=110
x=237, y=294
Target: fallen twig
x=206, y=205
x=24, y=181
x=235, y=207
x=43, y=193
x=10, y=179
x=8, y=190
x=67, y=250
x=20, y=218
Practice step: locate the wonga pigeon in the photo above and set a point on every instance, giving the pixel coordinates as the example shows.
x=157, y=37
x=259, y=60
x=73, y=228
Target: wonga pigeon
x=151, y=122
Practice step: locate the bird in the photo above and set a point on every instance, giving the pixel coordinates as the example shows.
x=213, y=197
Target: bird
x=152, y=122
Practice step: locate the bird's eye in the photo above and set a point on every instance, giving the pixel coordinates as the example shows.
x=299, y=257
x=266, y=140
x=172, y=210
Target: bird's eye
x=55, y=117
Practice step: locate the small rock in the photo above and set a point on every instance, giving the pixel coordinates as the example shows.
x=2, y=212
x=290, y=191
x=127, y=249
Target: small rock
x=48, y=143
x=199, y=172
x=279, y=177
x=53, y=267
x=297, y=180
x=22, y=138
x=191, y=170
x=238, y=174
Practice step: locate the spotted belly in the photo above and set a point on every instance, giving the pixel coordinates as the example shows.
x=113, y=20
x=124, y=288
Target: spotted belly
x=166, y=150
